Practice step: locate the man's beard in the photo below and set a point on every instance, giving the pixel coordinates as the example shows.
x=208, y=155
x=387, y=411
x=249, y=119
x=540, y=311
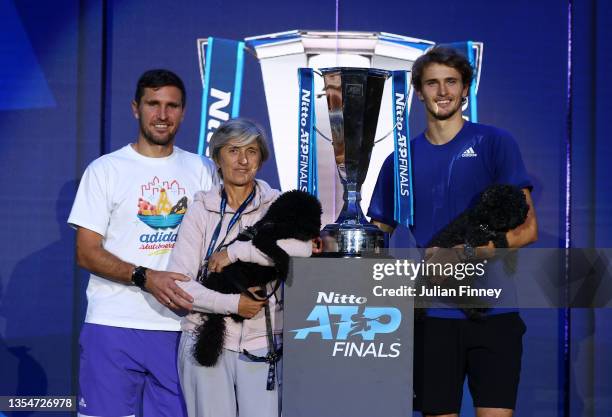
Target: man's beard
x=445, y=116
x=153, y=140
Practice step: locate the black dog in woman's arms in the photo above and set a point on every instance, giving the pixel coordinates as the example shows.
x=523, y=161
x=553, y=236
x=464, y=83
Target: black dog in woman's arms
x=294, y=215
x=500, y=208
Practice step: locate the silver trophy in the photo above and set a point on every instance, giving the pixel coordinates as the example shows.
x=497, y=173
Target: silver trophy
x=353, y=100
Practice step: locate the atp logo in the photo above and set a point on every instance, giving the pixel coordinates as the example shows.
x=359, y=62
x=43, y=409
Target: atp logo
x=351, y=321
x=353, y=329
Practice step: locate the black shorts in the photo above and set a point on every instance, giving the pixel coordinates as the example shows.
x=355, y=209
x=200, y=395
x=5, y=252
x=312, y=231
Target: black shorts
x=488, y=352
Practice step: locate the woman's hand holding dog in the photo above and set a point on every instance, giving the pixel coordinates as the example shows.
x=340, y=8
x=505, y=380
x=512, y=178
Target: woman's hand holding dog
x=218, y=261
x=247, y=307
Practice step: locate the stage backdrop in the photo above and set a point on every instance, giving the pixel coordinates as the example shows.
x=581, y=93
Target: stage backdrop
x=67, y=75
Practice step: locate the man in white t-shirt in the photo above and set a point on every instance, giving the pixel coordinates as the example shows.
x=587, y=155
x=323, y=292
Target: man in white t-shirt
x=127, y=212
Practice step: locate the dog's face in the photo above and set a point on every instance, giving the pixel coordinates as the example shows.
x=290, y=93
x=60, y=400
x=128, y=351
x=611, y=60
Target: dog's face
x=502, y=207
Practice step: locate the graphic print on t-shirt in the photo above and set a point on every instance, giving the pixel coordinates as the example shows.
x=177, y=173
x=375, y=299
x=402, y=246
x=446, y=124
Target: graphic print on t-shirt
x=161, y=206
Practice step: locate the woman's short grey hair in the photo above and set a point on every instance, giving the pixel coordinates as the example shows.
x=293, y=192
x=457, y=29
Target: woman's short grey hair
x=242, y=132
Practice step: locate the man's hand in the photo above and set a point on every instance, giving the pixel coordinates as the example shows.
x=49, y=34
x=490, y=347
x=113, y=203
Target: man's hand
x=457, y=253
x=218, y=261
x=429, y=252
x=441, y=256
x=485, y=252
x=247, y=307
x=162, y=286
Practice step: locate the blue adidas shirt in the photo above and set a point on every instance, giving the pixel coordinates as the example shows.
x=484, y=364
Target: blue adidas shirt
x=448, y=179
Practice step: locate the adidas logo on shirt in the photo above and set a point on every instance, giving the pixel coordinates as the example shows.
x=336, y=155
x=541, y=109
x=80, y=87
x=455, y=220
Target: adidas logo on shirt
x=469, y=153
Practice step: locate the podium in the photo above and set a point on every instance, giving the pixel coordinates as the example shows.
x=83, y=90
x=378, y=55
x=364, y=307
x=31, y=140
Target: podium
x=347, y=345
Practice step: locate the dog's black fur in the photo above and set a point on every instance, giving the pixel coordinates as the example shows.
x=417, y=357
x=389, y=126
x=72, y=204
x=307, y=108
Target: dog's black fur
x=499, y=209
x=295, y=214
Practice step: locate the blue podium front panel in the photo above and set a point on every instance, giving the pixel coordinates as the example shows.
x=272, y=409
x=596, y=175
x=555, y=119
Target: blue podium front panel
x=347, y=347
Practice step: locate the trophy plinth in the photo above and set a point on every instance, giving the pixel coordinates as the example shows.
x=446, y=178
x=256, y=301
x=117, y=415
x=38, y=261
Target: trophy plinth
x=353, y=101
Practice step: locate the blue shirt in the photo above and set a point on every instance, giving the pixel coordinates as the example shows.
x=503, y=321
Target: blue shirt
x=448, y=179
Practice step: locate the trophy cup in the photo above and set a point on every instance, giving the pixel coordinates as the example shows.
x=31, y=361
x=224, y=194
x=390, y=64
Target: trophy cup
x=353, y=99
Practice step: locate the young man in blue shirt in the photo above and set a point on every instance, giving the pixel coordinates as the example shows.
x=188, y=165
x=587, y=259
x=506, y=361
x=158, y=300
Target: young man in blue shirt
x=453, y=162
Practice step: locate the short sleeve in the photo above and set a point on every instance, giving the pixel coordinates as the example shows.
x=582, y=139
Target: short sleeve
x=509, y=167
x=92, y=206
x=382, y=203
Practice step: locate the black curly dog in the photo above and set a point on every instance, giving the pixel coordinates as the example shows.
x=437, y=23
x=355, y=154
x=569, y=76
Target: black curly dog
x=295, y=214
x=499, y=208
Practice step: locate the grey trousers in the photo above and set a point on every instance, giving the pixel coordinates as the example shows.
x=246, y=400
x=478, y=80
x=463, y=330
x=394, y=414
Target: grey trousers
x=234, y=387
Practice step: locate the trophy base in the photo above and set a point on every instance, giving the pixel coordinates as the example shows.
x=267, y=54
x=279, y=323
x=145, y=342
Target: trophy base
x=353, y=240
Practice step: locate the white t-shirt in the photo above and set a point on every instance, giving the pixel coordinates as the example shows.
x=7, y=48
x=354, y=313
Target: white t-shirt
x=136, y=203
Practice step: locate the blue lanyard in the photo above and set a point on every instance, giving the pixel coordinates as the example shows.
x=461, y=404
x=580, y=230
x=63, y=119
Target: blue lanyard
x=232, y=222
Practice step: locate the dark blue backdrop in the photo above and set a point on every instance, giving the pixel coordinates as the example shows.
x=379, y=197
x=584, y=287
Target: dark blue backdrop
x=67, y=74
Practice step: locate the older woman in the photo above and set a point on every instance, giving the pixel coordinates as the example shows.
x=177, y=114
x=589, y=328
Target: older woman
x=235, y=384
